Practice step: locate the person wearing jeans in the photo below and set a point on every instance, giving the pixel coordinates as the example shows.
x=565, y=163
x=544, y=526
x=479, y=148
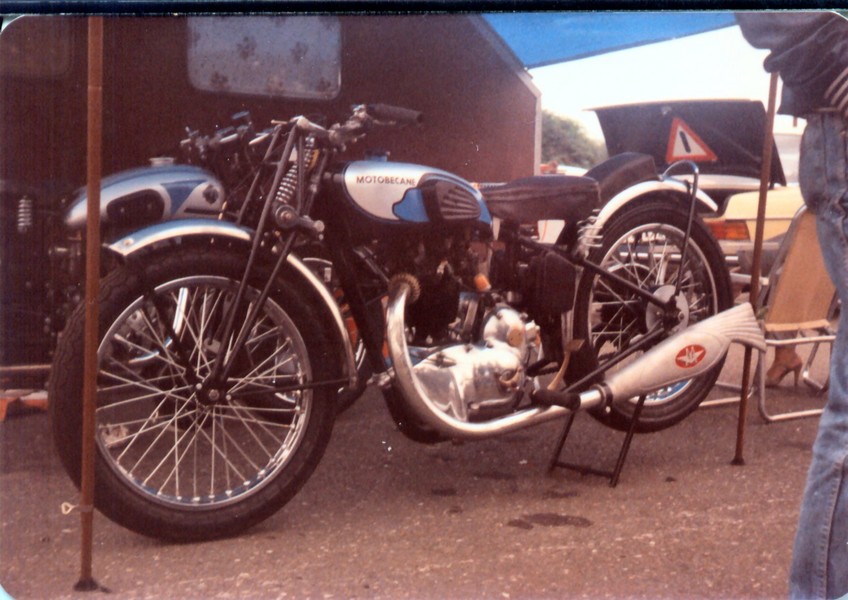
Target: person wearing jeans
x=810, y=51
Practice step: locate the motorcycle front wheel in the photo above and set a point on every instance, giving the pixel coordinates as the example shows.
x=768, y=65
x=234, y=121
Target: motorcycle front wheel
x=643, y=245
x=175, y=460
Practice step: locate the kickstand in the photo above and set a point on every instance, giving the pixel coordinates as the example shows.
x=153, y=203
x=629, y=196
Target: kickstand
x=622, y=454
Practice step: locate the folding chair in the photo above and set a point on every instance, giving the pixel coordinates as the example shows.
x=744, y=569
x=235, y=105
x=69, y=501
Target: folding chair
x=800, y=302
x=797, y=303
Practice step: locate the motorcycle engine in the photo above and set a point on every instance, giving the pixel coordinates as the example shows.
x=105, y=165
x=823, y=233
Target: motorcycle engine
x=485, y=378
x=470, y=349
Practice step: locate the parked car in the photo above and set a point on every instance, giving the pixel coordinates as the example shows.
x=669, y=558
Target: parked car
x=736, y=228
x=724, y=138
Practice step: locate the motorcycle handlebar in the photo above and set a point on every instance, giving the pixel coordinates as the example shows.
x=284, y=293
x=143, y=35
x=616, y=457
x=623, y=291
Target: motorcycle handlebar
x=367, y=115
x=401, y=116
x=364, y=116
x=222, y=139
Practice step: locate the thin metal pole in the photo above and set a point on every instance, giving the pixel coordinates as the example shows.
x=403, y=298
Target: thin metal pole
x=92, y=290
x=765, y=179
x=34, y=369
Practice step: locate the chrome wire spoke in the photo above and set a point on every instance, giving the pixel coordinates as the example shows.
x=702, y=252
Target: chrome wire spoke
x=126, y=383
x=147, y=386
x=632, y=266
x=256, y=383
x=196, y=324
x=174, y=450
x=144, y=429
x=220, y=450
x=644, y=273
x=142, y=421
x=251, y=376
x=618, y=298
x=154, y=415
x=660, y=264
x=175, y=471
x=618, y=338
x=206, y=316
x=123, y=403
x=263, y=422
x=239, y=408
x=240, y=418
x=185, y=302
x=153, y=429
x=162, y=347
x=237, y=334
x=255, y=340
x=148, y=353
x=158, y=339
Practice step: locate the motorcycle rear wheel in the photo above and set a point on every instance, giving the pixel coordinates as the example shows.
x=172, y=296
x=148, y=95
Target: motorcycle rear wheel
x=171, y=462
x=643, y=245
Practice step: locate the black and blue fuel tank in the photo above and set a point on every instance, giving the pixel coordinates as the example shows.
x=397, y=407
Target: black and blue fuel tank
x=410, y=194
x=137, y=197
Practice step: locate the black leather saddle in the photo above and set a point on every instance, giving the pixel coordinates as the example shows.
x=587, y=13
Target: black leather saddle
x=542, y=198
x=566, y=197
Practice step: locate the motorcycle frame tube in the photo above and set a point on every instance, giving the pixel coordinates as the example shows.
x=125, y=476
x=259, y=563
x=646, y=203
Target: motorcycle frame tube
x=422, y=405
x=145, y=238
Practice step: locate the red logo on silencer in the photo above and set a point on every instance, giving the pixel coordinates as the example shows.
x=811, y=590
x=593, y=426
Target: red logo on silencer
x=690, y=356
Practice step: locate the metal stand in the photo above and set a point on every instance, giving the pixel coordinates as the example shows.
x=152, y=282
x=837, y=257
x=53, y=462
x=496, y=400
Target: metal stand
x=613, y=475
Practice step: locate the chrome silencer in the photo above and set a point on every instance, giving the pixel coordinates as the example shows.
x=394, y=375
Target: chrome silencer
x=687, y=354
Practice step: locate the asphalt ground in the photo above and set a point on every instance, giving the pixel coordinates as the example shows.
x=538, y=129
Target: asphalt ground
x=384, y=517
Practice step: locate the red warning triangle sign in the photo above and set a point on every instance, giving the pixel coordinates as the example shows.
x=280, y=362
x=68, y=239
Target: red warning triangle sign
x=684, y=144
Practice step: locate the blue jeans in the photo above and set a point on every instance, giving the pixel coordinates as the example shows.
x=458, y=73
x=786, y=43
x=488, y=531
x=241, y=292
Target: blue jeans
x=820, y=555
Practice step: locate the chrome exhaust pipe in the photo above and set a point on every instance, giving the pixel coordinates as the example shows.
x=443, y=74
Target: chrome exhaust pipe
x=418, y=398
x=686, y=354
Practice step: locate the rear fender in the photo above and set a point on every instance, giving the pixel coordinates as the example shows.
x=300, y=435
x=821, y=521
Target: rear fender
x=674, y=188
x=670, y=188
x=146, y=241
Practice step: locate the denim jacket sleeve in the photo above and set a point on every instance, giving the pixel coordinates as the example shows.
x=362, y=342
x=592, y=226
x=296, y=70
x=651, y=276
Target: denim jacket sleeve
x=809, y=50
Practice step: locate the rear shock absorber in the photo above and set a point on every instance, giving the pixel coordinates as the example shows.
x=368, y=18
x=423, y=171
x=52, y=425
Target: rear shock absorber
x=25, y=215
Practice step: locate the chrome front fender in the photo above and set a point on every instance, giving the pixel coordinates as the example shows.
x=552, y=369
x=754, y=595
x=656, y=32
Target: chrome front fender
x=146, y=238
x=187, y=229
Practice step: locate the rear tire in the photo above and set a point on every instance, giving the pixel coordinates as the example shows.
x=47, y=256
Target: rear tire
x=610, y=319
x=171, y=462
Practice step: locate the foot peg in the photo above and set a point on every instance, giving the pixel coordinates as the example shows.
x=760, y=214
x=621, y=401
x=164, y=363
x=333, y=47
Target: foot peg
x=567, y=400
x=551, y=397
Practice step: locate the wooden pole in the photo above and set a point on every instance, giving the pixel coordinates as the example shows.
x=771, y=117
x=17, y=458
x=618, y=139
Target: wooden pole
x=92, y=290
x=765, y=180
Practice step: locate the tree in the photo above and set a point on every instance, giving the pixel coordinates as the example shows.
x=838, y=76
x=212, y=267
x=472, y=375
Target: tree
x=565, y=141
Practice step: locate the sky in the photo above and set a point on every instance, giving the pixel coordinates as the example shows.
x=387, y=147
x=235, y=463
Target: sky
x=717, y=64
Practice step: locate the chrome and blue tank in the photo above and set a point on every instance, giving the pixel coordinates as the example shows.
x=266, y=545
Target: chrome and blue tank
x=137, y=197
x=409, y=194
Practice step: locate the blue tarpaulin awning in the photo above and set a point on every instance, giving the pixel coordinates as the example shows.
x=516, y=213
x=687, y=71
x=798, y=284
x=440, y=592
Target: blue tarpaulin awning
x=544, y=38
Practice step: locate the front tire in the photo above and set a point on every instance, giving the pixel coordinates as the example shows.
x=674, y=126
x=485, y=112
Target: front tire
x=643, y=245
x=173, y=462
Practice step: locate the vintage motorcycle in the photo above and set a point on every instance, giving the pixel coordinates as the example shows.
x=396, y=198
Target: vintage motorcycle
x=222, y=354
x=44, y=230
